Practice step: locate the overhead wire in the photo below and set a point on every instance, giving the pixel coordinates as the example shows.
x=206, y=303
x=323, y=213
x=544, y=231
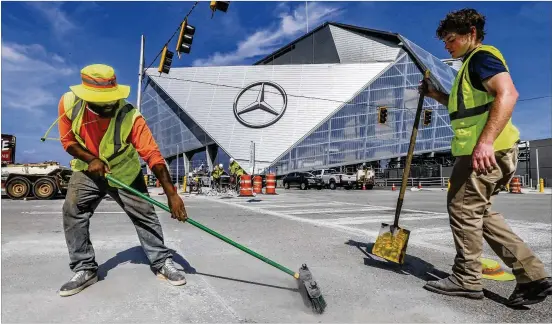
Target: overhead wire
x=311, y=97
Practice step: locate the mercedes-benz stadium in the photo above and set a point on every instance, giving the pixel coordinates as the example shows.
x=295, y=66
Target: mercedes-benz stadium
x=315, y=103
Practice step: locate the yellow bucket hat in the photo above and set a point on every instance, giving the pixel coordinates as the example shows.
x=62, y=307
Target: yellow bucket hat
x=99, y=84
x=493, y=271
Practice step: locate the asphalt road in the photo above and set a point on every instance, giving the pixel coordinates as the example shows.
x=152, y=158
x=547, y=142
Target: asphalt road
x=330, y=231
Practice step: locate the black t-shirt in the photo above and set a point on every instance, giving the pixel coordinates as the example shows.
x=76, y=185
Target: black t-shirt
x=482, y=66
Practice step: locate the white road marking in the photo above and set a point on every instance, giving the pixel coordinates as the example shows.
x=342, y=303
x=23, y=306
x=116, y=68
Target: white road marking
x=293, y=205
x=344, y=229
x=379, y=219
x=336, y=210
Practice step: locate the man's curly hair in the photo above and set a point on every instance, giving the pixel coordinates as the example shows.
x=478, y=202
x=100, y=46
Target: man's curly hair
x=460, y=22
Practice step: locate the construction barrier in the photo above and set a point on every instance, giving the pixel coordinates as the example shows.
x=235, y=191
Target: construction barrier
x=257, y=184
x=515, y=185
x=270, y=184
x=245, y=186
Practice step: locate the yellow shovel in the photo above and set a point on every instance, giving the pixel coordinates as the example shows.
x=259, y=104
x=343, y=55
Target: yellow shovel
x=392, y=240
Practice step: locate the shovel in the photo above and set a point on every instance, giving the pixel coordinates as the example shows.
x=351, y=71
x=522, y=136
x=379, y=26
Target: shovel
x=392, y=240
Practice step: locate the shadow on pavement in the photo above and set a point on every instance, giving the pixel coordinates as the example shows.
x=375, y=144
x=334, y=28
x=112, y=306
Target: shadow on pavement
x=419, y=268
x=413, y=266
x=247, y=282
x=136, y=255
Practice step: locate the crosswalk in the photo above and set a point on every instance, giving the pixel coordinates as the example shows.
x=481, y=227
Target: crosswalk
x=429, y=229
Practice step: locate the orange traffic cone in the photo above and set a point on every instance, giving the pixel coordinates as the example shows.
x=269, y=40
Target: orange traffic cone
x=419, y=185
x=393, y=188
x=363, y=186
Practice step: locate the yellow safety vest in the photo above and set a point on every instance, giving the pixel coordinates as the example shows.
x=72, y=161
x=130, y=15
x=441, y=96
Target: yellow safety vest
x=120, y=156
x=235, y=169
x=469, y=108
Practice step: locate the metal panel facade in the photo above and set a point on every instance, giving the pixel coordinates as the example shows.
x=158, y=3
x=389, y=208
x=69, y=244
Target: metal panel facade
x=317, y=48
x=353, y=134
x=354, y=47
x=313, y=92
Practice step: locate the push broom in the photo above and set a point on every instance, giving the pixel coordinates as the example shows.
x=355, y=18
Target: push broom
x=308, y=287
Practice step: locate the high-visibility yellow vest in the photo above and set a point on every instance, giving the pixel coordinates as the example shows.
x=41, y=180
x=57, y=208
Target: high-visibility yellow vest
x=217, y=173
x=120, y=156
x=235, y=169
x=469, y=108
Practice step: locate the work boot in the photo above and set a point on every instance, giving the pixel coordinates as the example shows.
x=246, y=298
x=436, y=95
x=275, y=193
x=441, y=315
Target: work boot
x=448, y=287
x=80, y=280
x=530, y=293
x=171, y=273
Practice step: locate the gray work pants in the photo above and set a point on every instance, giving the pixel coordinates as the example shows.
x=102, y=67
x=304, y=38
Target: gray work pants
x=84, y=194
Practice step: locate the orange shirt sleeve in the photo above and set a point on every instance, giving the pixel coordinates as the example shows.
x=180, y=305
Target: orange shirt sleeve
x=66, y=135
x=142, y=139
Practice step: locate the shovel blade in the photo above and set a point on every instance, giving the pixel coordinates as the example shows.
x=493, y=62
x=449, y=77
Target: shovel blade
x=391, y=243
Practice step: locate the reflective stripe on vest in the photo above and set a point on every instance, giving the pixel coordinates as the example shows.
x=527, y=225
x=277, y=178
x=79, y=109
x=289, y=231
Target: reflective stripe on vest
x=469, y=110
x=121, y=157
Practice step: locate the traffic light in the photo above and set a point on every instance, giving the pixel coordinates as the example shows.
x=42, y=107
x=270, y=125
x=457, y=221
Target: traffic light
x=218, y=5
x=184, y=44
x=166, y=60
x=382, y=115
x=427, y=117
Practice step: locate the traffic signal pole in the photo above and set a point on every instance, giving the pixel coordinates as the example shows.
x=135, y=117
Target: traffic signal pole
x=140, y=75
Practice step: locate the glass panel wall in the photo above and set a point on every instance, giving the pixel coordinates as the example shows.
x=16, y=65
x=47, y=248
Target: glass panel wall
x=172, y=129
x=353, y=134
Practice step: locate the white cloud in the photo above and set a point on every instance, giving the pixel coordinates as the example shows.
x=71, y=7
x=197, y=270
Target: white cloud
x=538, y=12
x=58, y=19
x=32, y=72
x=267, y=39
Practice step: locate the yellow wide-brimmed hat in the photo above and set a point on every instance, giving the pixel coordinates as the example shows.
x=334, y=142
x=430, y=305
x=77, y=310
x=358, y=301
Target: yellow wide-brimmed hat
x=99, y=84
x=493, y=271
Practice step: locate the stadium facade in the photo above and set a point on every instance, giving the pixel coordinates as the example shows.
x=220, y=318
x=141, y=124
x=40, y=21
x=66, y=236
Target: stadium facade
x=311, y=104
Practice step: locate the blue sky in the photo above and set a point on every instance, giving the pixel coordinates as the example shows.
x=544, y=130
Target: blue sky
x=45, y=44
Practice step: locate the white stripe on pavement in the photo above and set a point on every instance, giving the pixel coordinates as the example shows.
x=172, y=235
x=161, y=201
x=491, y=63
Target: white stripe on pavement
x=379, y=219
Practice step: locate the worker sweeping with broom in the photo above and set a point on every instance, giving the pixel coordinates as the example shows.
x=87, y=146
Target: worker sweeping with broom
x=106, y=134
x=480, y=107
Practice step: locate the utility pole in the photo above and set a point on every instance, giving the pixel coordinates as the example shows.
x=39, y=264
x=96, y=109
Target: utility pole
x=140, y=75
x=538, y=173
x=307, y=15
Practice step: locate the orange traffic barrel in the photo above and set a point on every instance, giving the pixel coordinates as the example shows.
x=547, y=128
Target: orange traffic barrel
x=270, y=184
x=515, y=185
x=257, y=184
x=245, y=186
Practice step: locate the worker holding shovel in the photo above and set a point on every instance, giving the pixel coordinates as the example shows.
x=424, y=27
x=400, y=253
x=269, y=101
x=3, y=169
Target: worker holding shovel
x=480, y=107
x=106, y=134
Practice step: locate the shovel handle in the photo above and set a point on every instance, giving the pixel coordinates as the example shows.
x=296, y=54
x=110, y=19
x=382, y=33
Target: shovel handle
x=406, y=171
x=205, y=228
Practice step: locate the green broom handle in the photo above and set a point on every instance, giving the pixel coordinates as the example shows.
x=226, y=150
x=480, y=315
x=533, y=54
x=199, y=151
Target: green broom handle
x=206, y=229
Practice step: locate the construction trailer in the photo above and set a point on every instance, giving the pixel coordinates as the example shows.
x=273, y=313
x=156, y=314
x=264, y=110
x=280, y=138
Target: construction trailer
x=35, y=180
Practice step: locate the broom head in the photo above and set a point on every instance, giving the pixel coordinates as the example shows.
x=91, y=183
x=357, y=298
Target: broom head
x=310, y=291
x=391, y=243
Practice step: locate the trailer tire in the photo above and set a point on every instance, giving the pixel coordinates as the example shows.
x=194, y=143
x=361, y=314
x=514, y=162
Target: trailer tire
x=45, y=188
x=18, y=188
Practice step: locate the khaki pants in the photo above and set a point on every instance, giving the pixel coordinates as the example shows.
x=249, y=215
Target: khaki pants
x=471, y=220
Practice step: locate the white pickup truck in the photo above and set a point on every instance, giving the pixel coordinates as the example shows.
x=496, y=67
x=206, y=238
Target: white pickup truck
x=333, y=178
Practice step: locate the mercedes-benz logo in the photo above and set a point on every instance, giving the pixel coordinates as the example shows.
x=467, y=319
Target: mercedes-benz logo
x=276, y=107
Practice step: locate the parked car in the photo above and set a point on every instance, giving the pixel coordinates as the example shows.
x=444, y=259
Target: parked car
x=305, y=180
